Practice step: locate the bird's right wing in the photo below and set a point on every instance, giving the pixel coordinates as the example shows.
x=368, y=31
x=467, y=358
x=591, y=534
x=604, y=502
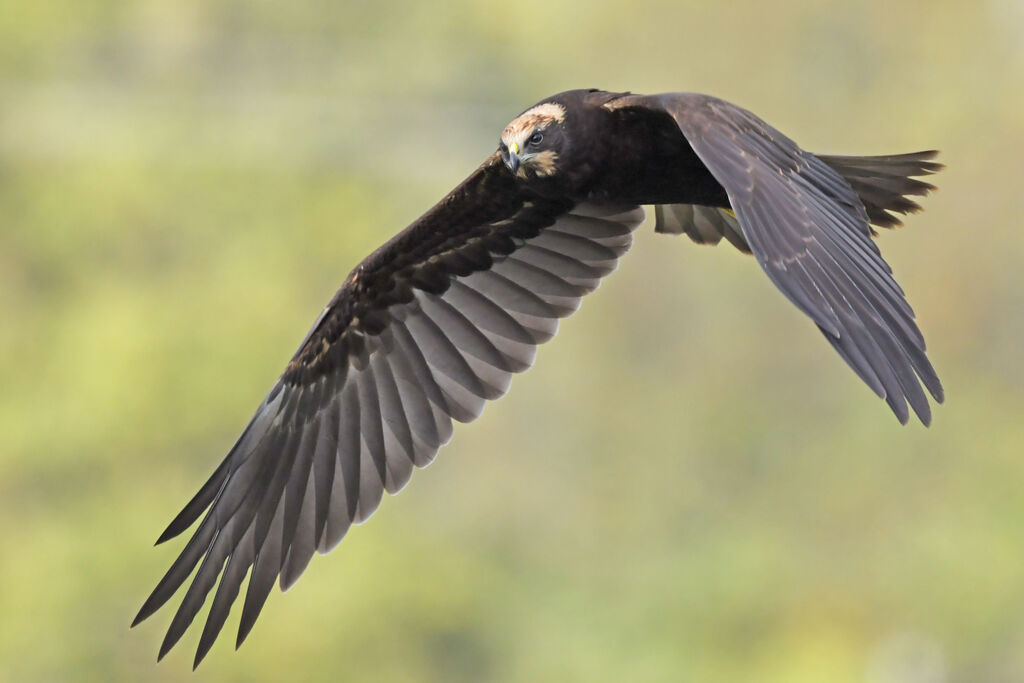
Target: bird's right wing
x=809, y=232
x=425, y=330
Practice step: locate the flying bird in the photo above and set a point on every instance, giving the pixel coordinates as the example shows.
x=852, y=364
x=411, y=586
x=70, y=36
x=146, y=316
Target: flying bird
x=435, y=322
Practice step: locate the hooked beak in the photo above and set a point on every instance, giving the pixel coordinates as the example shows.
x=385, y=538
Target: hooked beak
x=512, y=159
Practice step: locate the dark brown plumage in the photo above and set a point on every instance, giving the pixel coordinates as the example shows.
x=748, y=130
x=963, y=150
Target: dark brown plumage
x=435, y=322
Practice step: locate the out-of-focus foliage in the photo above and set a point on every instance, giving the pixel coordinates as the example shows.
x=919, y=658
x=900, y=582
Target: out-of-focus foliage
x=689, y=486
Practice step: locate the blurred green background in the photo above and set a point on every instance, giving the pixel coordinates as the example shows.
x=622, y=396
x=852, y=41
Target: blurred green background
x=690, y=486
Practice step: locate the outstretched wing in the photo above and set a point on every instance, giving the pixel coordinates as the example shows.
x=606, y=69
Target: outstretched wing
x=425, y=330
x=809, y=232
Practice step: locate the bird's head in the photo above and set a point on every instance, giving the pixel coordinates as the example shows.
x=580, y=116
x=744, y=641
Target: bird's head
x=531, y=146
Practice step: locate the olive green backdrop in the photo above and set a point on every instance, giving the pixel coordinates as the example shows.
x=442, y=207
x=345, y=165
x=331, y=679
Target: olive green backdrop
x=689, y=486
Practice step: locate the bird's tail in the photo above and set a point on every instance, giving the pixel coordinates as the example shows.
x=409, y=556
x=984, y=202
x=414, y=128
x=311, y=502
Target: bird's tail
x=883, y=183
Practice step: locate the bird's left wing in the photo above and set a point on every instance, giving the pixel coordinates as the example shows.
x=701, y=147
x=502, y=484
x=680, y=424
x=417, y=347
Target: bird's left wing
x=424, y=331
x=809, y=232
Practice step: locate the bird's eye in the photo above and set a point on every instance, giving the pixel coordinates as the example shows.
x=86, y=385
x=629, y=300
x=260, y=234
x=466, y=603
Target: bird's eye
x=536, y=138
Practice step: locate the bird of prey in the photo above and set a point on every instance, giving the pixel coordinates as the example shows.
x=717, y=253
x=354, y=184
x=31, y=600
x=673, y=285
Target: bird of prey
x=436, y=321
